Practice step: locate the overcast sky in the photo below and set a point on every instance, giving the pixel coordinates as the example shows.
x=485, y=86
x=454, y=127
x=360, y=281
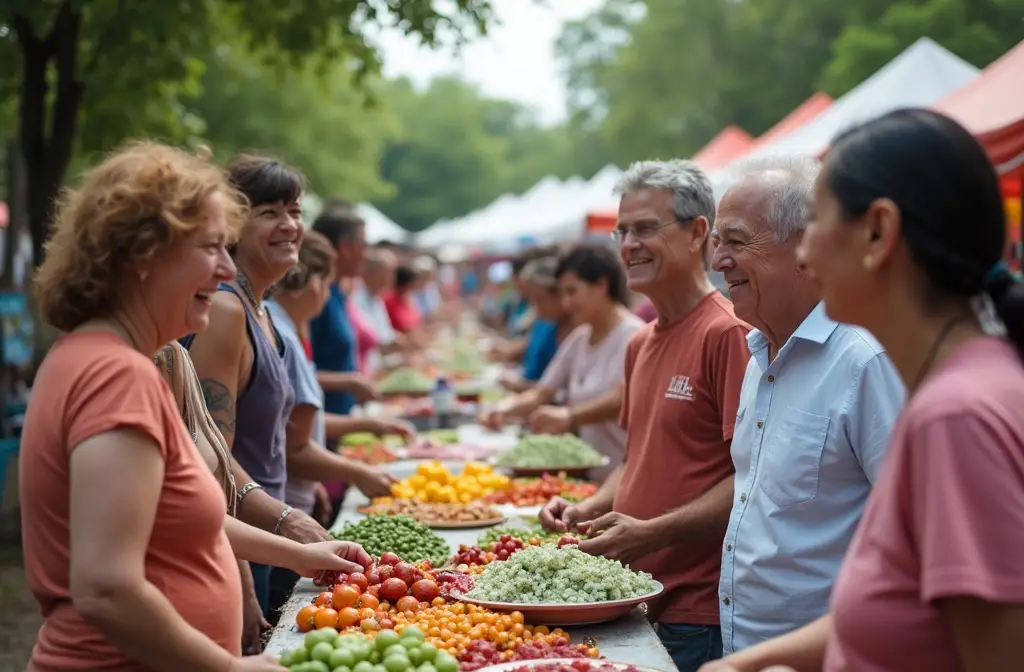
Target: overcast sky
x=515, y=61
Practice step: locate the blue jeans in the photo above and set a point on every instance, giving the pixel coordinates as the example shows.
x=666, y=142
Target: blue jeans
x=690, y=646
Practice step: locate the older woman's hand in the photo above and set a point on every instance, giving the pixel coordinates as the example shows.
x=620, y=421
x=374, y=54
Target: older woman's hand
x=372, y=481
x=550, y=420
x=385, y=426
x=301, y=528
x=334, y=556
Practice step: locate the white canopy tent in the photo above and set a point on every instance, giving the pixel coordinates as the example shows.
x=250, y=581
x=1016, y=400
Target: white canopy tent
x=566, y=220
x=380, y=227
x=921, y=75
x=506, y=230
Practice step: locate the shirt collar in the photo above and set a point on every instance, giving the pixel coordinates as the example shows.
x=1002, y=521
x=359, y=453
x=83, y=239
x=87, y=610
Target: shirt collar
x=816, y=327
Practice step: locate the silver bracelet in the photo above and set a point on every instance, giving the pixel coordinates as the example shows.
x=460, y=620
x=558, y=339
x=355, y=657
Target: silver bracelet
x=280, y=519
x=246, y=489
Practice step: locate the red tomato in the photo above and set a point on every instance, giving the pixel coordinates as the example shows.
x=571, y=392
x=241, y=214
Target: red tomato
x=390, y=559
x=393, y=590
x=358, y=579
x=324, y=599
x=425, y=590
x=406, y=573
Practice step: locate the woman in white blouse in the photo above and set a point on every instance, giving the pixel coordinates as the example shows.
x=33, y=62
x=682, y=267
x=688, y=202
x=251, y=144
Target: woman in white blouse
x=588, y=367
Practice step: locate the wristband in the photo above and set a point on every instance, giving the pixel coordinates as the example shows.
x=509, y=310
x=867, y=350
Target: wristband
x=280, y=519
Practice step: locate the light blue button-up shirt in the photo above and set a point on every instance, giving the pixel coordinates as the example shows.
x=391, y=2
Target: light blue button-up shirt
x=811, y=432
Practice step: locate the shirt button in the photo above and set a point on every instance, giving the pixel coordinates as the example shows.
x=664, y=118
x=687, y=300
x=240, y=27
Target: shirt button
x=760, y=424
x=728, y=547
x=743, y=497
x=725, y=601
x=771, y=379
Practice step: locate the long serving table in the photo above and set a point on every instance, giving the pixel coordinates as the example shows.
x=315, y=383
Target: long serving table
x=627, y=640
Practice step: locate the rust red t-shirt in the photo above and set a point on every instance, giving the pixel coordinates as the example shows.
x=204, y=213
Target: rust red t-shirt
x=682, y=394
x=91, y=383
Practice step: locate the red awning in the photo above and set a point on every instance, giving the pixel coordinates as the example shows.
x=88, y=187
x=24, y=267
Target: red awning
x=808, y=110
x=992, y=108
x=723, y=148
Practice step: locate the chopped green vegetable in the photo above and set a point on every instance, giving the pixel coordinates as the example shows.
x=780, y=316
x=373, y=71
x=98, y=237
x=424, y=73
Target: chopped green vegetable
x=550, y=575
x=406, y=380
x=542, y=450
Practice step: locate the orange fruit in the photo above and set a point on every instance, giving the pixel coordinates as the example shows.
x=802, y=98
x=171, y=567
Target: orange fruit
x=348, y=617
x=306, y=618
x=344, y=596
x=368, y=601
x=326, y=618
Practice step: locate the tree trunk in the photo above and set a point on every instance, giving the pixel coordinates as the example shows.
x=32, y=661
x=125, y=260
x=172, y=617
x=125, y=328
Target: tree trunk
x=16, y=196
x=47, y=151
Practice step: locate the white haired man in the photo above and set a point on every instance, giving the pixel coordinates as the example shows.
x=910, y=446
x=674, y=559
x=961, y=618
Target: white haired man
x=819, y=401
x=665, y=509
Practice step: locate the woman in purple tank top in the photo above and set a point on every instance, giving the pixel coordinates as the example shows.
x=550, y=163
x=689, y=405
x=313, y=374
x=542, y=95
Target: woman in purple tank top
x=239, y=358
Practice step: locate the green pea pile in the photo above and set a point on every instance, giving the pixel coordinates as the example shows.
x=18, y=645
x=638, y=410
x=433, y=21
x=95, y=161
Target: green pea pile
x=543, y=450
x=326, y=651
x=410, y=540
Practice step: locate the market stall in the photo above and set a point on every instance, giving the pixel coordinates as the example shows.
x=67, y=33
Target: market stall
x=628, y=639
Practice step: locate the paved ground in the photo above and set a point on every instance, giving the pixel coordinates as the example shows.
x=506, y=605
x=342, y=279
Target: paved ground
x=19, y=613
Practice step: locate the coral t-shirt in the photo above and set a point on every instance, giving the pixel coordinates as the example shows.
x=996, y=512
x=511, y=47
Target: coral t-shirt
x=91, y=383
x=683, y=385
x=945, y=519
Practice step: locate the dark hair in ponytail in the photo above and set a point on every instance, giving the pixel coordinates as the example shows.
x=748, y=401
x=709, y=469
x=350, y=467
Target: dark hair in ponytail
x=948, y=194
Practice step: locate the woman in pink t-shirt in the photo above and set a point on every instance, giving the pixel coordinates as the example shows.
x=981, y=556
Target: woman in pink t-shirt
x=589, y=364
x=907, y=236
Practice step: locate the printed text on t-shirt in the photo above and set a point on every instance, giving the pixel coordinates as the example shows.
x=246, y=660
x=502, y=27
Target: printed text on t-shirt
x=679, y=388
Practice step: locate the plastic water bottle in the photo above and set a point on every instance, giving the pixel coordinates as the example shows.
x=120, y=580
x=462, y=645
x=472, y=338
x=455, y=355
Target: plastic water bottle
x=444, y=402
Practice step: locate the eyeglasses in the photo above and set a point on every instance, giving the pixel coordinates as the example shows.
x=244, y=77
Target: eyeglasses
x=644, y=231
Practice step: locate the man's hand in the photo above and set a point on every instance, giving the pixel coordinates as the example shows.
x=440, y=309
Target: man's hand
x=303, y=529
x=364, y=389
x=332, y=556
x=372, y=482
x=386, y=426
x=323, y=510
x=492, y=419
x=560, y=515
x=550, y=420
x=618, y=537
x=253, y=622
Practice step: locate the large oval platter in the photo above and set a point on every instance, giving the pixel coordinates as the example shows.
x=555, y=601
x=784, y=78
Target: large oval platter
x=588, y=613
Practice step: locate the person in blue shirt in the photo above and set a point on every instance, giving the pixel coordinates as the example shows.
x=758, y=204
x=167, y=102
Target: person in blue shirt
x=553, y=323
x=331, y=333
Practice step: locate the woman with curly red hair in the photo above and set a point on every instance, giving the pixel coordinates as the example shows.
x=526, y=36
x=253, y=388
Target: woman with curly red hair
x=128, y=546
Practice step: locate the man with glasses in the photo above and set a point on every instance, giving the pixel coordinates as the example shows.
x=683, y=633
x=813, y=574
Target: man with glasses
x=665, y=509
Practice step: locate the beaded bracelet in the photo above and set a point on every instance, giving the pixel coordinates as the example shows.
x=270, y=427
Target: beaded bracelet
x=280, y=519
